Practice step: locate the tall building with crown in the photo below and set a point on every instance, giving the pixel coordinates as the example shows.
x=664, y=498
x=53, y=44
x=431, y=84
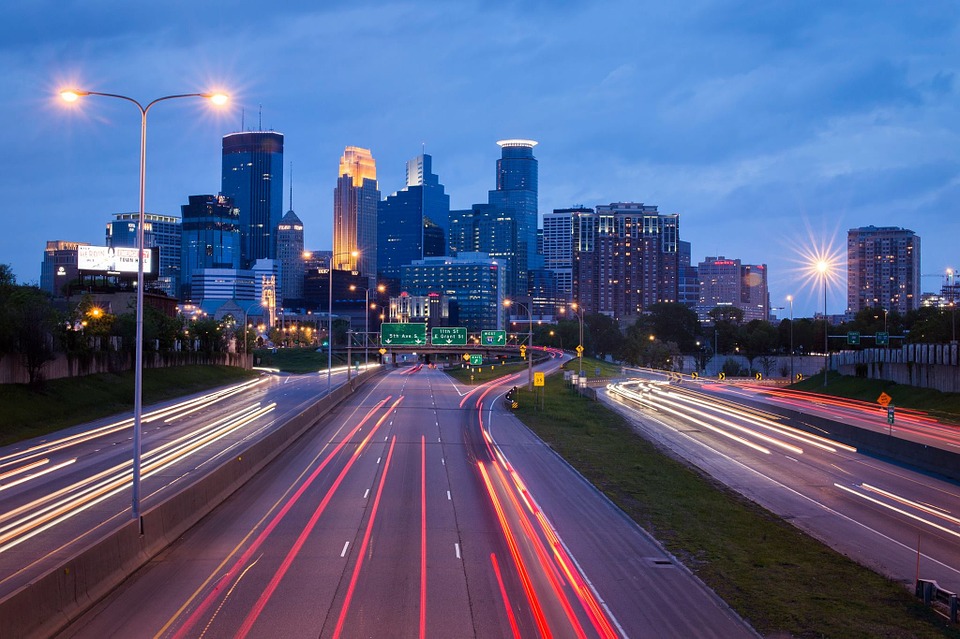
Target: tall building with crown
x=290, y=254
x=355, y=201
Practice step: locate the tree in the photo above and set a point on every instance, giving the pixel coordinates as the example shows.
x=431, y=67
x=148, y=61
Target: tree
x=35, y=321
x=673, y=322
x=602, y=334
x=759, y=338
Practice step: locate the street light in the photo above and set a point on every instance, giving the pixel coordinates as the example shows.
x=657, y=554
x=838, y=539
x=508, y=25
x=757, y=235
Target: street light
x=790, y=299
x=507, y=304
x=72, y=95
x=366, y=314
x=823, y=267
x=330, y=318
x=579, y=313
x=951, y=284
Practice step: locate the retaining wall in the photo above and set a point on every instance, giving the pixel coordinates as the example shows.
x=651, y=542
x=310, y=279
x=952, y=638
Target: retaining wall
x=45, y=606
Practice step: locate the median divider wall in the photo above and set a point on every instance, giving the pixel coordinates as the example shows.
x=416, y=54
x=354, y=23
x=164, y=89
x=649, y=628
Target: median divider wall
x=46, y=605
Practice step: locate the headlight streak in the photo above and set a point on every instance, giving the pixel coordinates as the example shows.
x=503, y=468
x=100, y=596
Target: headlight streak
x=43, y=472
x=637, y=398
x=97, y=488
x=763, y=422
x=78, y=438
x=23, y=469
x=898, y=510
x=927, y=508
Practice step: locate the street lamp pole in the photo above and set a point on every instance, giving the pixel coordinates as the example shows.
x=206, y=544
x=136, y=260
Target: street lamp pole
x=507, y=303
x=822, y=266
x=73, y=96
x=790, y=299
x=330, y=318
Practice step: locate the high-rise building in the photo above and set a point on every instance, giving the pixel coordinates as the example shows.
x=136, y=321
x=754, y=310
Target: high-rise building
x=728, y=282
x=160, y=231
x=253, y=176
x=355, y=201
x=290, y=257
x=688, y=281
x=883, y=269
x=473, y=280
x=558, y=246
x=407, y=221
x=60, y=266
x=515, y=198
x=625, y=259
x=210, y=237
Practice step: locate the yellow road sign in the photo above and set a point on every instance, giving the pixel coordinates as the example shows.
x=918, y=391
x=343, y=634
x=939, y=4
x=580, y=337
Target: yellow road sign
x=538, y=379
x=759, y=376
x=884, y=400
x=722, y=376
x=466, y=357
x=694, y=375
x=383, y=351
x=579, y=349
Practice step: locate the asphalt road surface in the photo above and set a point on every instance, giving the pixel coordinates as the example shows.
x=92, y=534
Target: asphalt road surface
x=417, y=508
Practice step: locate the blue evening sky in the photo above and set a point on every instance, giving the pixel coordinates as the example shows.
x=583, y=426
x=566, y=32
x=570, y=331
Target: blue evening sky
x=771, y=127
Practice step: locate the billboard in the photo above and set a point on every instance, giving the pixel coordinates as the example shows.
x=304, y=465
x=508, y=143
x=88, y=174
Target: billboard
x=113, y=260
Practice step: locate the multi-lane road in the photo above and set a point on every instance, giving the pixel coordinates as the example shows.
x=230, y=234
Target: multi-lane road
x=885, y=515
x=417, y=508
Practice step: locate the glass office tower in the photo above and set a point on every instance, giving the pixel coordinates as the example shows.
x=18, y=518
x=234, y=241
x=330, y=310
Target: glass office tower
x=253, y=177
x=210, y=237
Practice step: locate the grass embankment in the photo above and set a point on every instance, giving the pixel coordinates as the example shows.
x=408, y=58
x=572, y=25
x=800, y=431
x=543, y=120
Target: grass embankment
x=943, y=405
x=486, y=372
x=775, y=576
x=66, y=402
x=292, y=360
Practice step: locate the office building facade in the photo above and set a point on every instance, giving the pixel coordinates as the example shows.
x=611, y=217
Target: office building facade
x=409, y=221
x=210, y=238
x=728, y=282
x=355, y=202
x=290, y=257
x=252, y=176
x=473, y=280
x=883, y=269
x=59, y=268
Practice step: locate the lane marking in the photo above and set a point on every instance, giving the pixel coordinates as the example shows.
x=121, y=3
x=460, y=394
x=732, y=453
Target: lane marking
x=456, y=549
x=343, y=553
x=366, y=493
x=448, y=495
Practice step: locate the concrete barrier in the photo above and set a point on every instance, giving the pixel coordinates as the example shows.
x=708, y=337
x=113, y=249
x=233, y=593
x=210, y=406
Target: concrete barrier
x=48, y=604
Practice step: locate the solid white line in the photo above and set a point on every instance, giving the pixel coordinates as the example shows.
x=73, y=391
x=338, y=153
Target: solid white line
x=343, y=553
x=456, y=548
x=366, y=493
x=448, y=495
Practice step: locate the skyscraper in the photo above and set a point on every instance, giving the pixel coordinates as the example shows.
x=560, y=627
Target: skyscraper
x=210, y=237
x=472, y=279
x=253, y=177
x=558, y=246
x=625, y=259
x=160, y=231
x=515, y=199
x=290, y=254
x=728, y=282
x=883, y=269
x=355, y=201
x=410, y=222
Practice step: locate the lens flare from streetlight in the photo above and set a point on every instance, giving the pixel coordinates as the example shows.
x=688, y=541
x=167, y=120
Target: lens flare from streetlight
x=218, y=98
x=818, y=262
x=69, y=95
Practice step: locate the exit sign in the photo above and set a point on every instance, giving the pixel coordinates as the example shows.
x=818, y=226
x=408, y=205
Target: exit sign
x=448, y=336
x=403, y=334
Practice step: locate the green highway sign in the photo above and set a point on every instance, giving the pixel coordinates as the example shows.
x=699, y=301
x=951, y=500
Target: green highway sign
x=853, y=338
x=403, y=334
x=493, y=338
x=448, y=336
x=476, y=360
x=883, y=338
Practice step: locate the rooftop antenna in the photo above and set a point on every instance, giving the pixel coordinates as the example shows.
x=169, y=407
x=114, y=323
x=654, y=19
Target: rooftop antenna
x=291, y=186
x=260, y=119
x=423, y=148
x=243, y=118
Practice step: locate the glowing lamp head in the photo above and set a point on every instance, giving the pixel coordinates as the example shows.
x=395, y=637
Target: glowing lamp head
x=506, y=303
x=823, y=266
x=217, y=98
x=70, y=95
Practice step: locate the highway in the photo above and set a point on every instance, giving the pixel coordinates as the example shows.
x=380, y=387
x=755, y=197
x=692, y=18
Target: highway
x=886, y=516
x=417, y=508
x=59, y=492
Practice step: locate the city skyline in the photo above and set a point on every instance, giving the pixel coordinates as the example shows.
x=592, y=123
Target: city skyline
x=767, y=129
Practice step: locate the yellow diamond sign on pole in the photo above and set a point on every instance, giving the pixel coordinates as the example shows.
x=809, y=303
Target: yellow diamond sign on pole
x=466, y=357
x=383, y=351
x=884, y=400
x=579, y=351
x=538, y=379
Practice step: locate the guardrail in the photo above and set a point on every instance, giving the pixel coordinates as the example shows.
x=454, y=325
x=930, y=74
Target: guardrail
x=45, y=606
x=931, y=592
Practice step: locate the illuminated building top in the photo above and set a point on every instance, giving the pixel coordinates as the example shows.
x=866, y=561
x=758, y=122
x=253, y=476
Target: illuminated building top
x=358, y=164
x=517, y=142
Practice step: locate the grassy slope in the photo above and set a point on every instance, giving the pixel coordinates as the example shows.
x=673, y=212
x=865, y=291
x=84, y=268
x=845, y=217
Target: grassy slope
x=771, y=573
x=66, y=402
x=944, y=405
